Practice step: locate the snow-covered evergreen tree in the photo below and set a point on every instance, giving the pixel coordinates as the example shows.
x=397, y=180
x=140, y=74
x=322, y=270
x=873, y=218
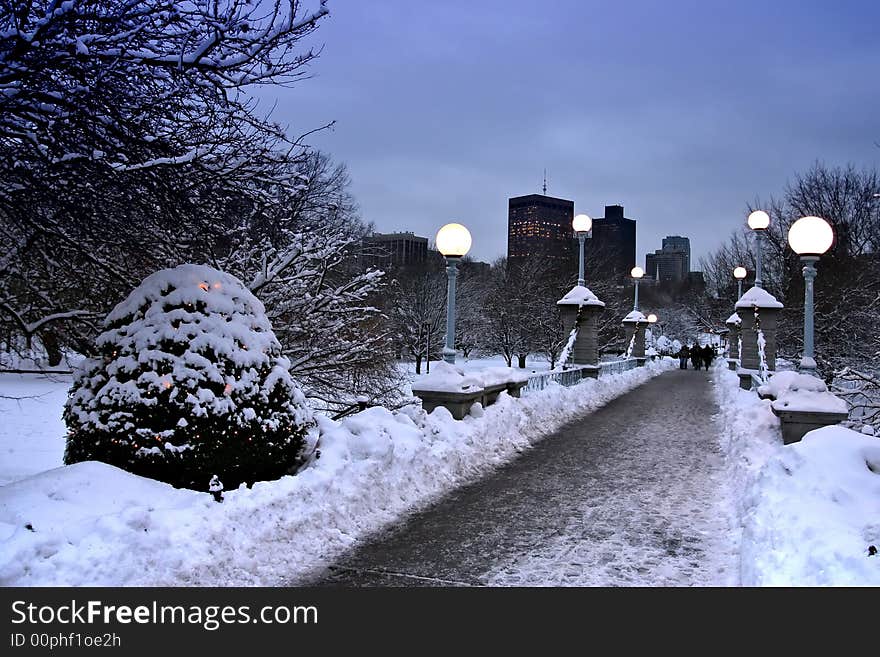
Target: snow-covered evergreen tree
x=190, y=383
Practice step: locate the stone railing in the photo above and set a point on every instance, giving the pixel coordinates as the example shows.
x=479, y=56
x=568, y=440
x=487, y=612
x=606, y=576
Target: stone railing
x=802, y=403
x=458, y=392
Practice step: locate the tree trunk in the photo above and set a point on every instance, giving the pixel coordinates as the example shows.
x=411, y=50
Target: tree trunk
x=50, y=343
x=521, y=361
x=418, y=364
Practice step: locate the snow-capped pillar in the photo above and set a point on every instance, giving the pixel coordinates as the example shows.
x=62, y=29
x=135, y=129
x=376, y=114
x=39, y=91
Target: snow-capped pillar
x=581, y=308
x=758, y=311
x=734, y=323
x=636, y=323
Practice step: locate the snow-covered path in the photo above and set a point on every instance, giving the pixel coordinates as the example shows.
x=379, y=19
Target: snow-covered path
x=632, y=494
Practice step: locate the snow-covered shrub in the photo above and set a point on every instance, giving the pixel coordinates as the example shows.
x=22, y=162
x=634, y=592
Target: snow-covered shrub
x=665, y=346
x=190, y=383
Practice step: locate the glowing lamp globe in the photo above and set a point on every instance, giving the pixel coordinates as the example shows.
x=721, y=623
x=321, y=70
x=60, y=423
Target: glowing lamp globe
x=810, y=236
x=739, y=273
x=453, y=240
x=759, y=220
x=637, y=272
x=652, y=318
x=582, y=223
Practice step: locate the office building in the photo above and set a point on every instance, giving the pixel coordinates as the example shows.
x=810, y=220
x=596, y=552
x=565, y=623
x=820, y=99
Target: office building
x=672, y=262
x=394, y=250
x=611, y=250
x=539, y=225
x=679, y=244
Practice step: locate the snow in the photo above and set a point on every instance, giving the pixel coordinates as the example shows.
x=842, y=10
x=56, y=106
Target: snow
x=817, y=514
x=790, y=381
x=808, y=511
x=757, y=297
x=635, y=316
x=37, y=360
x=31, y=429
x=734, y=319
x=793, y=391
x=190, y=328
x=492, y=376
x=818, y=402
x=580, y=296
x=445, y=377
x=93, y=524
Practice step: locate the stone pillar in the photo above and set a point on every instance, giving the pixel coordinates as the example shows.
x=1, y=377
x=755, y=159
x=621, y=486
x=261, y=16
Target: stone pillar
x=763, y=305
x=582, y=307
x=635, y=324
x=733, y=323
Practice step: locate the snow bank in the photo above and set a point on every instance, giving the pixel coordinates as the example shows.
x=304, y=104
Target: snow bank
x=492, y=376
x=793, y=391
x=92, y=524
x=31, y=429
x=446, y=377
x=817, y=514
x=784, y=382
x=809, y=510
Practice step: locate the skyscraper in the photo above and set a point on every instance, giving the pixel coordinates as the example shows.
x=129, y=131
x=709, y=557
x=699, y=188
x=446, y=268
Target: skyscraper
x=679, y=244
x=540, y=225
x=612, y=250
x=672, y=262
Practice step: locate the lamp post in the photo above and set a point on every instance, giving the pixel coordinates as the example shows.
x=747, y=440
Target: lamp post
x=453, y=241
x=758, y=222
x=652, y=319
x=427, y=328
x=582, y=225
x=739, y=273
x=636, y=273
x=809, y=237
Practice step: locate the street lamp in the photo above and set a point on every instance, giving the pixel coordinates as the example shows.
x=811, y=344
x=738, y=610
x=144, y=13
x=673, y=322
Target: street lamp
x=739, y=273
x=427, y=328
x=453, y=241
x=582, y=225
x=809, y=237
x=636, y=273
x=758, y=222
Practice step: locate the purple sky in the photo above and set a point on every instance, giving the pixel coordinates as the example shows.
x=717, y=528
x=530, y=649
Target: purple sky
x=682, y=111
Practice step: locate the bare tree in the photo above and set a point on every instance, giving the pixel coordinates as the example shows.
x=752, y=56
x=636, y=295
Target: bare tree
x=846, y=294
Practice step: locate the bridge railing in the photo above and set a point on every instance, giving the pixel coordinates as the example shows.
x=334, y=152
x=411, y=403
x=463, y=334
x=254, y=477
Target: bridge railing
x=568, y=377
x=576, y=374
x=617, y=366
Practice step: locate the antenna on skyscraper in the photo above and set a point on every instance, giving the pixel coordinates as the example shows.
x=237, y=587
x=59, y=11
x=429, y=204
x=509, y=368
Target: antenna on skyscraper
x=545, y=182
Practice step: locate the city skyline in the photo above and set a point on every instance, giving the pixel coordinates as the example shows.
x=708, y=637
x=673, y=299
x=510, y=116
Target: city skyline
x=706, y=108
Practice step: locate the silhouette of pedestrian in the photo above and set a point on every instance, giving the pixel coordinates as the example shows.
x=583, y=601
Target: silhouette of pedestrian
x=708, y=354
x=696, y=355
x=683, y=355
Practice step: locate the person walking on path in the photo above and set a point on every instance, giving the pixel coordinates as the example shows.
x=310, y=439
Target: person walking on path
x=708, y=354
x=683, y=355
x=696, y=355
